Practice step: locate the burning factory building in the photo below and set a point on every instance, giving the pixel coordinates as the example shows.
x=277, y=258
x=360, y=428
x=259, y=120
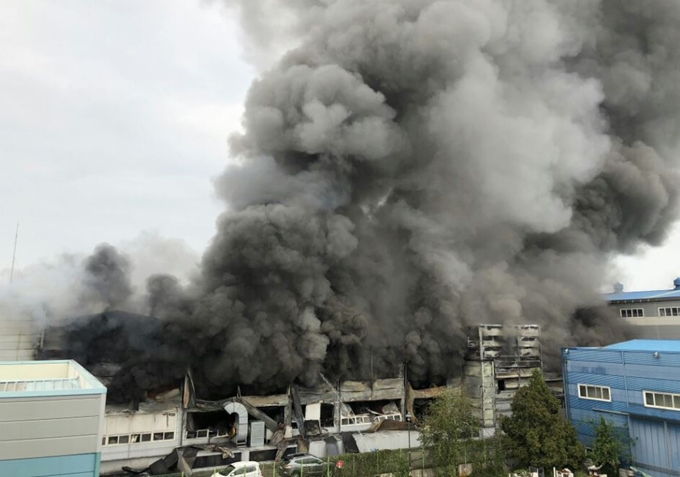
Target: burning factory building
x=409, y=171
x=171, y=425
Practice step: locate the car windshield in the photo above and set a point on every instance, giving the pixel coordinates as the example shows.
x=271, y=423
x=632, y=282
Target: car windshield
x=227, y=470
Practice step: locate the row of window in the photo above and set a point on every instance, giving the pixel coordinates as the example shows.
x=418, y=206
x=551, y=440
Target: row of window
x=669, y=311
x=360, y=419
x=388, y=417
x=632, y=312
x=206, y=433
x=640, y=312
x=651, y=398
x=368, y=419
x=597, y=393
x=160, y=436
x=662, y=400
x=137, y=438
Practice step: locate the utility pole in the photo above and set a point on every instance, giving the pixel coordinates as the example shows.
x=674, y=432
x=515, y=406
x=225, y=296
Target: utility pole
x=14, y=254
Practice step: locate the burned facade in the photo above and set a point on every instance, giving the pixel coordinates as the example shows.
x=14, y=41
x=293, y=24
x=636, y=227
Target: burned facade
x=500, y=359
x=349, y=417
x=326, y=419
x=173, y=425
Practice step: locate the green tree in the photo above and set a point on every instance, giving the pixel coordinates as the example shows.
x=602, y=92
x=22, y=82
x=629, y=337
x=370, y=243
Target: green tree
x=536, y=434
x=609, y=447
x=448, y=432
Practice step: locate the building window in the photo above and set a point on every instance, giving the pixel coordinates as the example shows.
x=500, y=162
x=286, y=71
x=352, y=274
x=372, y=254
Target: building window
x=137, y=438
x=669, y=311
x=662, y=400
x=202, y=433
x=632, y=312
x=597, y=393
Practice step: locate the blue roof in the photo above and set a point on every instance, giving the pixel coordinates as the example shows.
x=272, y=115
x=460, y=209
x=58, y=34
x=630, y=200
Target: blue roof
x=643, y=295
x=647, y=345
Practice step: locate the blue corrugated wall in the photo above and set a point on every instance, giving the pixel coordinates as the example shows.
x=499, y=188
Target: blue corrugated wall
x=654, y=433
x=82, y=465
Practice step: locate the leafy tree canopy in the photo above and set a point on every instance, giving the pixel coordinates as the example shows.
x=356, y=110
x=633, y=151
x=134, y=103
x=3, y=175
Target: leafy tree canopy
x=448, y=431
x=536, y=433
x=609, y=446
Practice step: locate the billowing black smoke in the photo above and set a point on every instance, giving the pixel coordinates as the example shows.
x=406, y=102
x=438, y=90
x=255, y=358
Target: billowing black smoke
x=106, y=278
x=413, y=167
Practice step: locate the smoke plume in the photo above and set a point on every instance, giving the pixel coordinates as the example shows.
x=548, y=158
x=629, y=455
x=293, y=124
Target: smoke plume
x=413, y=167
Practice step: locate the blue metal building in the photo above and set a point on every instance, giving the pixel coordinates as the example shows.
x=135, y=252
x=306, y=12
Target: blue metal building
x=635, y=385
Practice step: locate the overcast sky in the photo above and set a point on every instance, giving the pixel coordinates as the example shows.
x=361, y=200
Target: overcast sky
x=114, y=119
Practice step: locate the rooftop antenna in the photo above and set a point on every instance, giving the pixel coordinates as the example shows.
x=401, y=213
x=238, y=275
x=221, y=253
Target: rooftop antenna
x=14, y=254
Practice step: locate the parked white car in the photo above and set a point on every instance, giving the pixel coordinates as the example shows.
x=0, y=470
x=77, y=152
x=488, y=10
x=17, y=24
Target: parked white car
x=240, y=469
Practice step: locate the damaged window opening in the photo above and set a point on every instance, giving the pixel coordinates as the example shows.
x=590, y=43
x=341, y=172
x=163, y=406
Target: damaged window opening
x=202, y=425
x=327, y=414
x=317, y=415
x=421, y=407
x=363, y=419
x=367, y=412
x=294, y=424
x=277, y=413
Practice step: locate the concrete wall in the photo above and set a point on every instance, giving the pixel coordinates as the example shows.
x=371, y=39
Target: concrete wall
x=386, y=440
x=139, y=423
x=50, y=426
x=480, y=386
x=319, y=448
x=367, y=442
x=18, y=338
x=652, y=327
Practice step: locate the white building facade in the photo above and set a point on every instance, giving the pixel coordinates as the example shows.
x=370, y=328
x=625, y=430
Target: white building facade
x=52, y=419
